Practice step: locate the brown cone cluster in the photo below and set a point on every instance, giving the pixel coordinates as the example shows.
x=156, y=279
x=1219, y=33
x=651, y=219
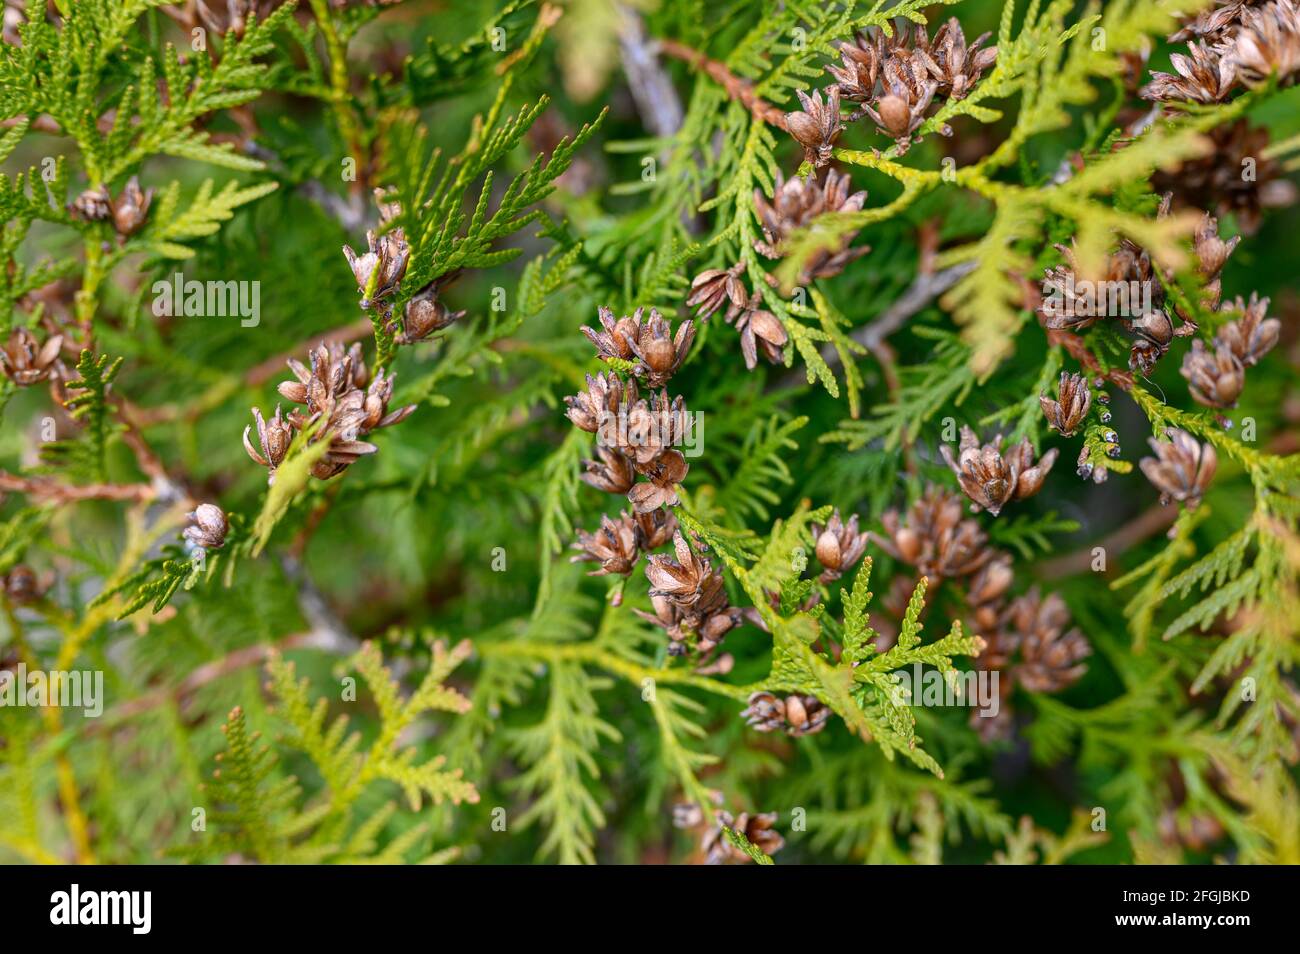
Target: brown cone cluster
x=619, y=543
x=794, y=715
x=127, y=212
x=1182, y=468
x=1234, y=177
x=895, y=78
x=1234, y=45
x=1128, y=292
x=690, y=605
x=759, y=829
x=1026, y=639
x=342, y=403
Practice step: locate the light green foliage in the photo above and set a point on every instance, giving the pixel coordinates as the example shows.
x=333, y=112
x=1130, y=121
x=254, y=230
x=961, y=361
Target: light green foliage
x=547, y=160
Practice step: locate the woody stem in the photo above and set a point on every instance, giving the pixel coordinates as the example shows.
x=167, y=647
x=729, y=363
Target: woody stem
x=738, y=88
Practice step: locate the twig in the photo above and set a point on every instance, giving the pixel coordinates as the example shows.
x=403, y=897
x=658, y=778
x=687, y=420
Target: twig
x=656, y=99
x=741, y=90
x=872, y=335
x=47, y=488
x=1132, y=533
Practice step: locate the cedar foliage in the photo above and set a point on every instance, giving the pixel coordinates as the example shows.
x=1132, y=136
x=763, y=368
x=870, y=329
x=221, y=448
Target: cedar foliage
x=537, y=179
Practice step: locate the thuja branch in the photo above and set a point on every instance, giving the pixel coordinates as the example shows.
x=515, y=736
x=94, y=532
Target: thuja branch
x=611, y=662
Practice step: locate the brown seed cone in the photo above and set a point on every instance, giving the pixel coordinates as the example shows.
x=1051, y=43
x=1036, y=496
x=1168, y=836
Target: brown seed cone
x=1218, y=180
x=659, y=353
x=1205, y=74
x=817, y=125
x=615, y=338
x=794, y=715
x=839, y=545
x=665, y=473
x=207, y=526
x=26, y=363
x=334, y=371
x=757, y=829
x=1251, y=336
x=991, y=478
x=712, y=289
x=1049, y=655
x=131, y=207
x=956, y=66
x=613, y=546
x=1214, y=25
x=1070, y=408
x=935, y=538
x=1268, y=43
x=795, y=203
x=273, y=438
x=1214, y=378
x=1182, y=468
x=612, y=473
x=655, y=528
x=760, y=330
x=425, y=315
x=598, y=406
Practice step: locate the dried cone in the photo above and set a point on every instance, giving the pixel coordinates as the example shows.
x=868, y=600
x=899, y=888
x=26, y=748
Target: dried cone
x=1070, y=408
x=612, y=473
x=614, y=340
x=1182, y=468
x=1205, y=74
x=425, y=315
x=757, y=829
x=207, y=527
x=654, y=528
x=1251, y=336
x=1049, y=655
x=24, y=362
x=1214, y=378
x=273, y=437
x=712, y=289
x=793, y=715
x=613, y=546
x=1268, y=43
x=956, y=66
x=131, y=208
x=599, y=404
x=839, y=546
x=989, y=478
x=659, y=353
x=795, y=204
x=936, y=537
x=760, y=331
x=817, y=125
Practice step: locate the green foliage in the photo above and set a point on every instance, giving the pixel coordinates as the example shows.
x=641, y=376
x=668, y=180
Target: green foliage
x=256, y=810
x=548, y=160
